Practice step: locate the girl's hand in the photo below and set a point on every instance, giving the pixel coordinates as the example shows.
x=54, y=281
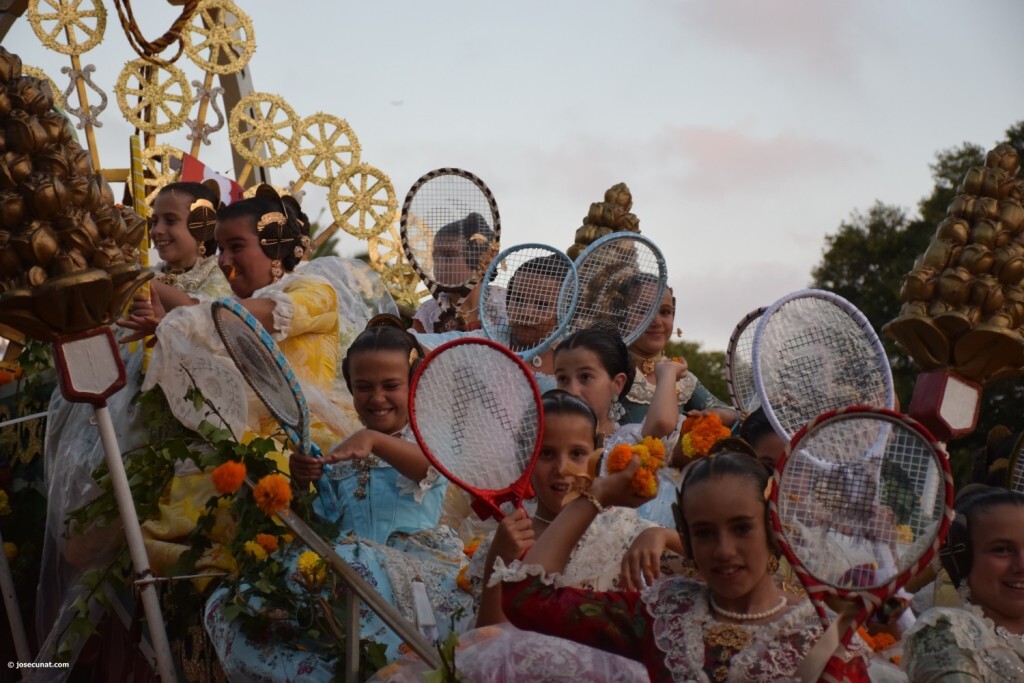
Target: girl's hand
x=513, y=537
x=641, y=564
x=357, y=446
x=670, y=370
x=615, y=489
x=145, y=314
x=304, y=469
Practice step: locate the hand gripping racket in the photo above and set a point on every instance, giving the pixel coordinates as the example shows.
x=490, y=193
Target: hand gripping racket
x=476, y=413
x=529, y=298
x=622, y=280
x=450, y=230
x=861, y=502
x=739, y=363
x=813, y=352
x=267, y=371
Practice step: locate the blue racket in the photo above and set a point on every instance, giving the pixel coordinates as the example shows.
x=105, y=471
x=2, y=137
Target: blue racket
x=266, y=370
x=529, y=298
x=622, y=279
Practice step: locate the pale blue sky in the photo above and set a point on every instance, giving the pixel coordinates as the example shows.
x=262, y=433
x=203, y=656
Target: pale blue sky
x=746, y=130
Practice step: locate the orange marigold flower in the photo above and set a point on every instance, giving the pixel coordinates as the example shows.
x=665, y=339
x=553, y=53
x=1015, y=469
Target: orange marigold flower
x=228, y=477
x=884, y=640
x=688, y=424
x=272, y=493
x=895, y=659
x=644, y=484
x=471, y=547
x=267, y=542
x=706, y=432
x=655, y=446
x=620, y=458
x=462, y=581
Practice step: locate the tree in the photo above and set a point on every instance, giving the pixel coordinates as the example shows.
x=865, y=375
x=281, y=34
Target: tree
x=708, y=366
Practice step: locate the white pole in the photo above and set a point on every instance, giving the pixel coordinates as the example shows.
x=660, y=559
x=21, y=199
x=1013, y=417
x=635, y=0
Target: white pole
x=136, y=547
x=13, y=611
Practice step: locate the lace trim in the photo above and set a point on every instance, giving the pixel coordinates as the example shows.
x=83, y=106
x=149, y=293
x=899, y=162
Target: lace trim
x=970, y=627
x=517, y=571
x=191, y=281
x=284, y=310
x=407, y=486
x=642, y=391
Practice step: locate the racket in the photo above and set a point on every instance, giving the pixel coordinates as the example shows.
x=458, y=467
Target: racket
x=476, y=413
x=529, y=298
x=861, y=501
x=450, y=230
x=622, y=280
x=813, y=352
x=739, y=363
x=268, y=373
x=1015, y=468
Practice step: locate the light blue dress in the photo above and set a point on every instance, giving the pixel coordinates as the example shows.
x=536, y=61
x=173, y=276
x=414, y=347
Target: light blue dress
x=390, y=537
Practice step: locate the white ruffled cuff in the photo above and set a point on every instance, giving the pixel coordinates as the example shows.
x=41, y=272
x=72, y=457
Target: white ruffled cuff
x=284, y=309
x=418, y=489
x=517, y=571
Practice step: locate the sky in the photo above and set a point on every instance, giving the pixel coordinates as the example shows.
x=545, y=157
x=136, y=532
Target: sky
x=747, y=131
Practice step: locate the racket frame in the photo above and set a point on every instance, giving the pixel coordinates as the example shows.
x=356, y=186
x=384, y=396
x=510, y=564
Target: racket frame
x=434, y=287
x=569, y=293
x=1014, y=482
x=867, y=599
x=486, y=503
x=662, y=277
x=848, y=308
x=730, y=353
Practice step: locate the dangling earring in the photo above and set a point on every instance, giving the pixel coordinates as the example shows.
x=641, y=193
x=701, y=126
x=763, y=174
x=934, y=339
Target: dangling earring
x=275, y=270
x=964, y=591
x=615, y=410
x=773, y=564
x=202, y=248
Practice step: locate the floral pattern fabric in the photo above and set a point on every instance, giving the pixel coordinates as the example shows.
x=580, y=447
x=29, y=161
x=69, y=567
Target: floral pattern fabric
x=954, y=644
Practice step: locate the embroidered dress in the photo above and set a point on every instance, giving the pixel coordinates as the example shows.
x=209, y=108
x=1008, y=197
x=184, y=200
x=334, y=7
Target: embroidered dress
x=952, y=644
x=204, y=281
x=389, y=535
x=429, y=312
x=669, y=627
x=690, y=394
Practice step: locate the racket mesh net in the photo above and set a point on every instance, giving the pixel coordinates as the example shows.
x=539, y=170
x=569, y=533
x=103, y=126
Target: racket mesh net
x=815, y=358
x=477, y=415
x=621, y=282
x=860, y=500
x=530, y=295
x=460, y=208
x=740, y=361
x=256, y=363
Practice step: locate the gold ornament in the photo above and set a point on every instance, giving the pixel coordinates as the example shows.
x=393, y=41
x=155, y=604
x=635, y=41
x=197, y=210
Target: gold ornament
x=404, y=284
x=251, y=191
x=58, y=97
x=263, y=120
x=157, y=162
x=216, y=26
x=363, y=201
x=140, y=89
x=326, y=146
x=728, y=636
x=57, y=20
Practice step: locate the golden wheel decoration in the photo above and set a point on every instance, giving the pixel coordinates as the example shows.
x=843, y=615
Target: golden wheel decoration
x=363, y=201
x=168, y=100
x=215, y=26
x=250, y=192
x=58, y=96
x=402, y=281
x=156, y=161
x=326, y=146
x=64, y=27
x=262, y=120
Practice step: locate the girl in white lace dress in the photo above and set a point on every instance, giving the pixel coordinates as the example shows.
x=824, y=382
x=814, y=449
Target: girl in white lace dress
x=984, y=556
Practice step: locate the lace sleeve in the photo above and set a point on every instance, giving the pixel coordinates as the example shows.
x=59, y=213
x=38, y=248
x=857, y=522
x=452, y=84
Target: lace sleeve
x=942, y=647
x=615, y=622
x=407, y=486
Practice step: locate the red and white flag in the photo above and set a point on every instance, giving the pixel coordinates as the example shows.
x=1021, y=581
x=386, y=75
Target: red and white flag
x=195, y=171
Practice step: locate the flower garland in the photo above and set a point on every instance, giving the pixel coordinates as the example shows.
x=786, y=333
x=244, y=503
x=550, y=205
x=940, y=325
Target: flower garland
x=652, y=458
x=702, y=432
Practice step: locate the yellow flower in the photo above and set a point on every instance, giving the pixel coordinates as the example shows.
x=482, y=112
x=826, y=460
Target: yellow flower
x=255, y=550
x=655, y=446
x=904, y=534
x=287, y=538
x=10, y=550
x=228, y=477
x=644, y=484
x=313, y=568
x=272, y=493
x=5, y=504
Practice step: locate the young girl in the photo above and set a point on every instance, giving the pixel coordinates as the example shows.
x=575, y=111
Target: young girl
x=736, y=625
x=594, y=365
x=612, y=555
x=388, y=524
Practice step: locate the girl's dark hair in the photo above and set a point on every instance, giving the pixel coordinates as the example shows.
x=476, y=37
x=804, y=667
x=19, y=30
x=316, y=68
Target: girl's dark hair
x=196, y=191
x=474, y=233
x=729, y=463
x=282, y=246
x=957, y=554
x=383, y=333
x=609, y=348
x=754, y=426
x=558, y=402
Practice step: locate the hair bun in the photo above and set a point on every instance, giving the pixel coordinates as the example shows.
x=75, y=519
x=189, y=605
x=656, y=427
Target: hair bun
x=385, y=320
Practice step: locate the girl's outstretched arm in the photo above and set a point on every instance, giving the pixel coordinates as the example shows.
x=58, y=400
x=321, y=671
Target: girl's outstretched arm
x=404, y=456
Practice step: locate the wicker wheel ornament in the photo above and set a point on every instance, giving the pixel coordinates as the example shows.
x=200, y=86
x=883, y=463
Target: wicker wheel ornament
x=157, y=163
x=225, y=31
x=263, y=121
x=363, y=201
x=64, y=27
x=388, y=259
x=163, y=90
x=58, y=97
x=326, y=146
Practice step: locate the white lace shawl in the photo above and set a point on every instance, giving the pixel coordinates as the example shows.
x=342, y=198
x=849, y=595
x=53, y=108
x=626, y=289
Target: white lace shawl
x=982, y=649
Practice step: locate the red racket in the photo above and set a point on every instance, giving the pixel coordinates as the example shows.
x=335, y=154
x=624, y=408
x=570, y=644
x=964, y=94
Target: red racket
x=476, y=413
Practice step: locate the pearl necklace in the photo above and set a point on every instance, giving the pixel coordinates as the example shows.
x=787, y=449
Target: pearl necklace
x=748, y=616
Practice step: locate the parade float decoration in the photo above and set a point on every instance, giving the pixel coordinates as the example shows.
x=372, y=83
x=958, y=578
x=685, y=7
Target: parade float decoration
x=962, y=320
